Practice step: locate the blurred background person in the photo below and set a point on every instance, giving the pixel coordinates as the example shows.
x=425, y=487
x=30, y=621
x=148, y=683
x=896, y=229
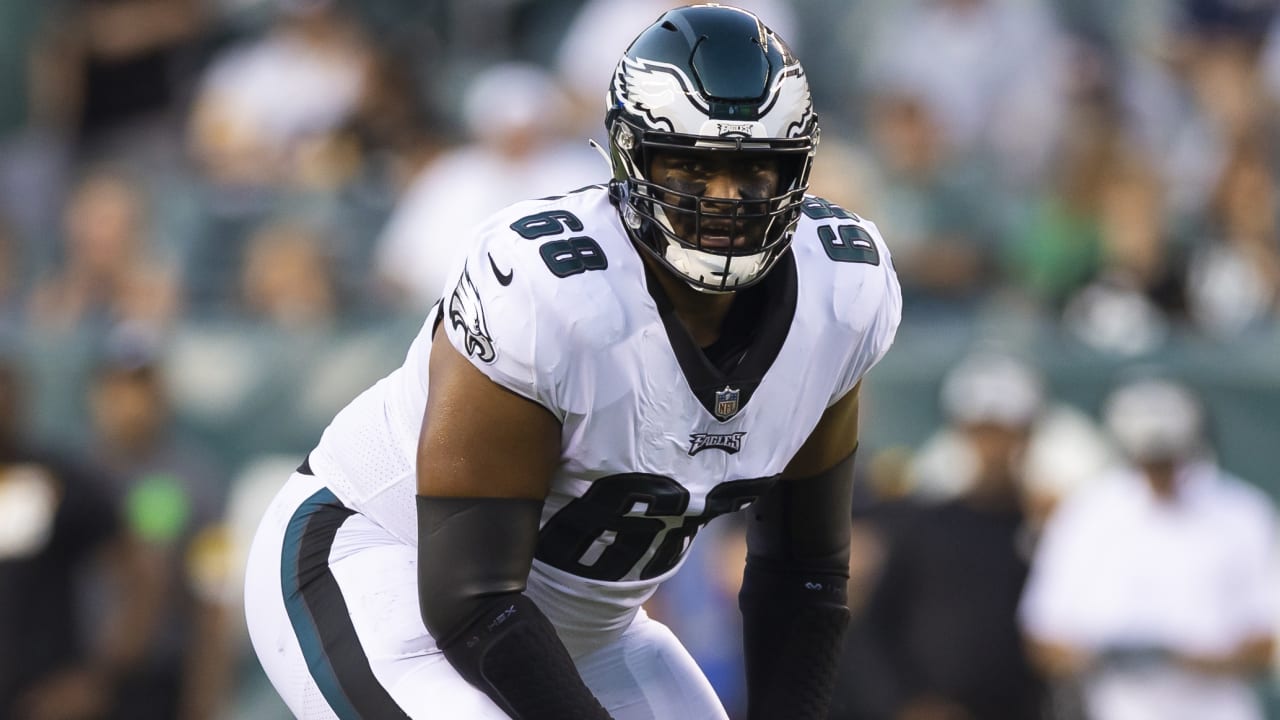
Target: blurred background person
x=110, y=269
x=1056, y=247
x=173, y=500
x=515, y=116
x=299, y=112
x=1202, y=95
x=114, y=74
x=287, y=278
x=947, y=241
x=1233, y=281
x=58, y=524
x=1137, y=290
x=1014, y=58
x=1155, y=588
x=938, y=637
x=268, y=109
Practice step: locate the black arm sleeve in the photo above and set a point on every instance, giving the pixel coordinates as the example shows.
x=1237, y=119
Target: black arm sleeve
x=474, y=556
x=794, y=598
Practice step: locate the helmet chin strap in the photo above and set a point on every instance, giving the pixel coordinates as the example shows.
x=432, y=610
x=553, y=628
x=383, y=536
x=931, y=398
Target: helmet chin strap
x=604, y=154
x=707, y=268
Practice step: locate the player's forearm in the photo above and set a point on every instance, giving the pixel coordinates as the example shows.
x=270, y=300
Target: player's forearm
x=793, y=633
x=474, y=556
x=793, y=597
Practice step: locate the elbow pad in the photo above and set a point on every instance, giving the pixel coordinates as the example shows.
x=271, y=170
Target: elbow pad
x=470, y=550
x=474, y=556
x=804, y=524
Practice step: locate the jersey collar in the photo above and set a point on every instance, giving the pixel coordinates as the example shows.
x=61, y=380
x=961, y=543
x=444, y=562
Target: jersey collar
x=712, y=385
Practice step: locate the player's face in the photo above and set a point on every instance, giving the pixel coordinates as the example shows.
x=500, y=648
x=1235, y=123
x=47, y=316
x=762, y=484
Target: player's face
x=743, y=181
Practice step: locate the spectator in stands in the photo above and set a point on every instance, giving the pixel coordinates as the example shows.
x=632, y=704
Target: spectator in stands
x=1057, y=248
x=1234, y=281
x=110, y=271
x=287, y=278
x=1154, y=587
x=947, y=238
x=1097, y=242
x=56, y=524
x=993, y=73
x=1137, y=244
x=118, y=69
x=939, y=639
x=1203, y=97
x=1138, y=290
x=173, y=500
x=514, y=114
x=268, y=112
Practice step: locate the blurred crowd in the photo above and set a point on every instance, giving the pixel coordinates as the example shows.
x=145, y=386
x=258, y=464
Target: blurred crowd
x=220, y=219
x=1031, y=562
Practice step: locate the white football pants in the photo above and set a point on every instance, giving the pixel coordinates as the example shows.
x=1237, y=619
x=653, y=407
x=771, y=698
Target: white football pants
x=332, y=606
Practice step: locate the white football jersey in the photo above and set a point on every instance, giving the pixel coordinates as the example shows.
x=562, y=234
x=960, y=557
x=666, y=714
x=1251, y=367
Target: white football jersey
x=553, y=302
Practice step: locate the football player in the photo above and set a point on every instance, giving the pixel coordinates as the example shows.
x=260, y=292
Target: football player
x=607, y=371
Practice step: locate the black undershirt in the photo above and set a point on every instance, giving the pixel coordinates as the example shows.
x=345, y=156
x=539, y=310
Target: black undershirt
x=739, y=329
x=751, y=336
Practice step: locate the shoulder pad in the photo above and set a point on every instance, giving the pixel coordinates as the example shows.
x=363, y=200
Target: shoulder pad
x=853, y=281
x=532, y=294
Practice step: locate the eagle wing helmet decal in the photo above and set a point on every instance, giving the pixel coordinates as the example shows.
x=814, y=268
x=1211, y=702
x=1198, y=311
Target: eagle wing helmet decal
x=790, y=90
x=466, y=314
x=664, y=97
x=661, y=94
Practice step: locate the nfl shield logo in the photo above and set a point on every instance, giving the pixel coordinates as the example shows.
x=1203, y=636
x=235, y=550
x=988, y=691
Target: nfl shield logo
x=726, y=402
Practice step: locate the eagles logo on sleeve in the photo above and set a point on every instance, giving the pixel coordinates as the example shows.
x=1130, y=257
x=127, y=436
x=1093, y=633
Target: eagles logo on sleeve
x=466, y=314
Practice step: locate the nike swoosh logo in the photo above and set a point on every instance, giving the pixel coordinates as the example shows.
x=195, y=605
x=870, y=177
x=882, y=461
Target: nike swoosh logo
x=503, y=279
